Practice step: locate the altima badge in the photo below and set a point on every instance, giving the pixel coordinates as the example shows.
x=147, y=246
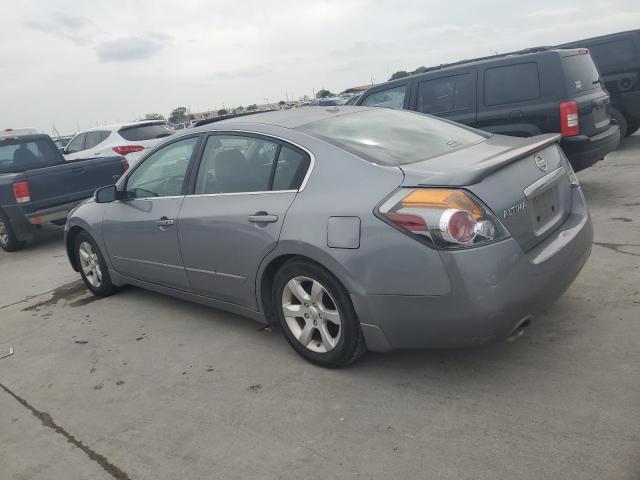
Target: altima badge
x=517, y=208
x=541, y=163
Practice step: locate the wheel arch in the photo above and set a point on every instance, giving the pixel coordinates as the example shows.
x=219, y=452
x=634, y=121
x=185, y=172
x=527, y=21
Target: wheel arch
x=70, y=245
x=284, y=253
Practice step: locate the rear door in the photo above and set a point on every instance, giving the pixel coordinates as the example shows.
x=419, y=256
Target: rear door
x=451, y=96
x=140, y=232
x=244, y=186
x=585, y=87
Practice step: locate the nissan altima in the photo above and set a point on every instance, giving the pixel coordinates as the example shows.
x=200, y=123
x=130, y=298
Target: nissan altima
x=351, y=228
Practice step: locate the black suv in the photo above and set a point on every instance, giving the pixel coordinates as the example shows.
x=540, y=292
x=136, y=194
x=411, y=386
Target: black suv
x=521, y=94
x=618, y=59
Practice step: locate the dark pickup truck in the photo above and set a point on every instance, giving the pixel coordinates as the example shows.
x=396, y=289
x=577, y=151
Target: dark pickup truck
x=37, y=185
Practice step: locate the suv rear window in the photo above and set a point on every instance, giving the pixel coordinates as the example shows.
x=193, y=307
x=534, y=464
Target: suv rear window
x=392, y=137
x=20, y=155
x=511, y=83
x=145, y=132
x=613, y=56
x=581, y=72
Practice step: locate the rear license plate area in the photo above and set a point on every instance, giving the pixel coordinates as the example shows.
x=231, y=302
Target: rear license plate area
x=545, y=208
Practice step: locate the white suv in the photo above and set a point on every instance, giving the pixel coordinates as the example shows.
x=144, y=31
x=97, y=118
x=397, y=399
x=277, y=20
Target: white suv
x=127, y=139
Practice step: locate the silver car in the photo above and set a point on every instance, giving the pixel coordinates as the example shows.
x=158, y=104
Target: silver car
x=352, y=228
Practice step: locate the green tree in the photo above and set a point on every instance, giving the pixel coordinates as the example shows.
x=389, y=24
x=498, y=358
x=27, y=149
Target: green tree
x=222, y=111
x=252, y=107
x=178, y=115
x=419, y=70
x=240, y=108
x=154, y=116
x=324, y=93
x=399, y=74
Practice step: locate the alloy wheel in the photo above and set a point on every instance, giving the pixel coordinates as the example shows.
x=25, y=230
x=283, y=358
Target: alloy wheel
x=311, y=314
x=90, y=264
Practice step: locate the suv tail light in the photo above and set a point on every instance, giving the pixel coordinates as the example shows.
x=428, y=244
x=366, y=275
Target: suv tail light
x=21, y=192
x=569, y=119
x=442, y=217
x=126, y=149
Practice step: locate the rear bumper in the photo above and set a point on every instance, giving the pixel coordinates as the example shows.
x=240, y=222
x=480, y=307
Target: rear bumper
x=23, y=222
x=51, y=214
x=583, y=151
x=494, y=290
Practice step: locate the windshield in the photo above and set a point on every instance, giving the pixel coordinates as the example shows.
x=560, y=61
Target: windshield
x=582, y=73
x=392, y=137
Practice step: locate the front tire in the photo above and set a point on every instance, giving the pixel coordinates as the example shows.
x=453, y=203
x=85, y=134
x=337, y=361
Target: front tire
x=8, y=240
x=93, y=267
x=316, y=315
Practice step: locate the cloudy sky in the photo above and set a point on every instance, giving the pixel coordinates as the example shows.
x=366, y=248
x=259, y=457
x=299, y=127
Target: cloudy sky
x=73, y=63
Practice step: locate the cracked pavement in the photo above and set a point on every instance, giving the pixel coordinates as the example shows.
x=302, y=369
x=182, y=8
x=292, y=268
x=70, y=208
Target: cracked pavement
x=141, y=386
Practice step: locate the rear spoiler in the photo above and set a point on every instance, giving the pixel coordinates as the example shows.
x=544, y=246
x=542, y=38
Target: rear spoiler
x=142, y=124
x=489, y=165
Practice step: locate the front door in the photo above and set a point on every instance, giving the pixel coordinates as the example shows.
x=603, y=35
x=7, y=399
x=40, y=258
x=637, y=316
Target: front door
x=140, y=232
x=243, y=189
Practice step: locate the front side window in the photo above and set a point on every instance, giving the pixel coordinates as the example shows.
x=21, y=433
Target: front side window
x=445, y=94
x=392, y=137
x=511, y=83
x=77, y=144
x=162, y=173
x=390, y=98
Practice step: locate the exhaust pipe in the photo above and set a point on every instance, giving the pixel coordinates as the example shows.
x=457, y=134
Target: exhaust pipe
x=518, y=331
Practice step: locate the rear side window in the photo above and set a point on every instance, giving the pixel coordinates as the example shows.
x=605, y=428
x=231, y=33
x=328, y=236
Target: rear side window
x=511, y=83
x=145, y=132
x=581, y=72
x=291, y=169
x=20, y=155
x=95, y=137
x=390, y=98
x=612, y=56
x=392, y=137
x=445, y=94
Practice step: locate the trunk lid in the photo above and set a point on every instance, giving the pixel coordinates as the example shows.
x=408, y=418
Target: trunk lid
x=524, y=182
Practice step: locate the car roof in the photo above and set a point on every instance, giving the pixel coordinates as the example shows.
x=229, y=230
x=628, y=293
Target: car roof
x=608, y=36
x=292, y=118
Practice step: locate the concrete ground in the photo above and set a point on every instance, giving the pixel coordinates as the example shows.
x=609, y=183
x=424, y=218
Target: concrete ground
x=142, y=386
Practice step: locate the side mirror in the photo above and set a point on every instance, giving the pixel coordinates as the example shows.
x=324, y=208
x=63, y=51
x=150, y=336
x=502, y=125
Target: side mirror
x=106, y=194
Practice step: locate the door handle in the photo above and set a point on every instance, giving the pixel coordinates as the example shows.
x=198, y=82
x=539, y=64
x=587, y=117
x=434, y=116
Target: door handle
x=263, y=218
x=164, y=222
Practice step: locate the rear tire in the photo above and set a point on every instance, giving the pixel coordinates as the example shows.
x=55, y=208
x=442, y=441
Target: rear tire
x=620, y=120
x=8, y=240
x=92, y=266
x=320, y=323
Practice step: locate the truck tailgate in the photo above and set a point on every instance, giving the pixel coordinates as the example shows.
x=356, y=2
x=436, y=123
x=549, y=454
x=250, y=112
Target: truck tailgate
x=71, y=181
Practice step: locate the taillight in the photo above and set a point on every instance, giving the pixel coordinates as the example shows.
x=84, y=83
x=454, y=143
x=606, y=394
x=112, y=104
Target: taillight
x=126, y=149
x=21, y=192
x=569, y=119
x=442, y=217
x=125, y=165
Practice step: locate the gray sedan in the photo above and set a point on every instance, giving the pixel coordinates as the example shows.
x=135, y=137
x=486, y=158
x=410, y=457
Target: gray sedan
x=351, y=228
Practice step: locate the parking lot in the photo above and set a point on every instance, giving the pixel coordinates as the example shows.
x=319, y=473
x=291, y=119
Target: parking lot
x=139, y=385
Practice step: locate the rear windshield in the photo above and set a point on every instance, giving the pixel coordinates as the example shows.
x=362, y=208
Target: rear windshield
x=581, y=72
x=392, y=137
x=20, y=155
x=145, y=132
